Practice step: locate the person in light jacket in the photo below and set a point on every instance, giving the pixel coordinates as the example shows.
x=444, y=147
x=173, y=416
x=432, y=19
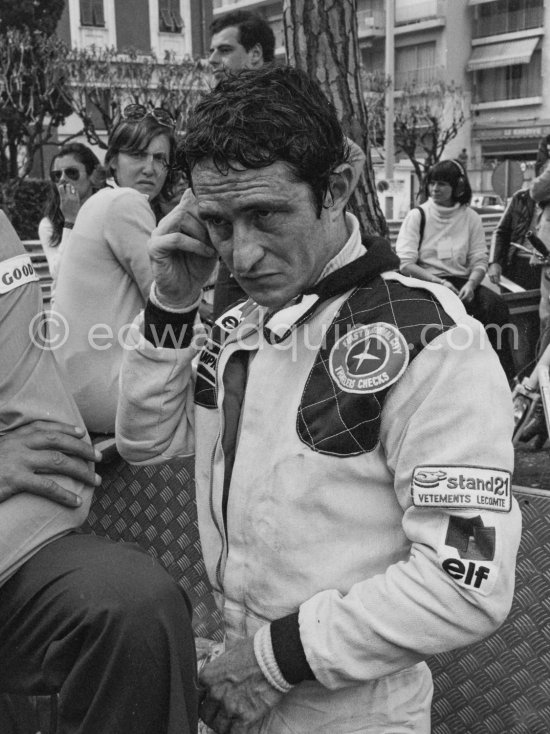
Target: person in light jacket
x=105, y=272
x=443, y=242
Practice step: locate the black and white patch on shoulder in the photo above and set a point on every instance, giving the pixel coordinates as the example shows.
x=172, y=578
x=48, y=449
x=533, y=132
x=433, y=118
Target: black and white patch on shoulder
x=377, y=333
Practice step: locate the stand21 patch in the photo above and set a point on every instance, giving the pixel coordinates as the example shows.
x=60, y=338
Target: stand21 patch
x=462, y=488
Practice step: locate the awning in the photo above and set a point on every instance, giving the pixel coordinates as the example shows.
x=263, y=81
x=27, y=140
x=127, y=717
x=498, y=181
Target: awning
x=502, y=54
x=480, y=2
x=523, y=148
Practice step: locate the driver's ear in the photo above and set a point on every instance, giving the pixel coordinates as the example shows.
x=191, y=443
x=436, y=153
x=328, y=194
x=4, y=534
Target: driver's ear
x=342, y=183
x=256, y=56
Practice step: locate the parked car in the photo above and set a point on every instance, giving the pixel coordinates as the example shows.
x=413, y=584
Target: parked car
x=486, y=203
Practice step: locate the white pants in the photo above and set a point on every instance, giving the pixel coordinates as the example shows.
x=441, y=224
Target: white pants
x=397, y=704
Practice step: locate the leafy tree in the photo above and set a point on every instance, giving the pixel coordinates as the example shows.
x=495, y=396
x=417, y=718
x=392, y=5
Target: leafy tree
x=100, y=82
x=32, y=15
x=321, y=38
x=42, y=82
x=31, y=99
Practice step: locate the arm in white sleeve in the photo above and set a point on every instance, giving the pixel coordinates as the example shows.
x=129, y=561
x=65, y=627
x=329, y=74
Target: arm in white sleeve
x=407, y=248
x=155, y=415
x=478, y=255
x=452, y=408
x=128, y=226
x=408, y=239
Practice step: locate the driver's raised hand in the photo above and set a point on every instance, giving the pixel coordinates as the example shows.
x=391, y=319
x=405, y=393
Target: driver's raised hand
x=182, y=256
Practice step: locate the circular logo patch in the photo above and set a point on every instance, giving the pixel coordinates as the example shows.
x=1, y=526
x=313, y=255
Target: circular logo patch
x=369, y=358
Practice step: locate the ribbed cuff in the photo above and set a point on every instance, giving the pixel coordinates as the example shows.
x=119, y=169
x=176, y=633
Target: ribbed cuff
x=289, y=651
x=155, y=300
x=168, y=329
x=263, y=650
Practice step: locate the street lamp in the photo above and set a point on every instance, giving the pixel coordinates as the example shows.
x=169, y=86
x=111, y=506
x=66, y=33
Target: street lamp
x=390, y=74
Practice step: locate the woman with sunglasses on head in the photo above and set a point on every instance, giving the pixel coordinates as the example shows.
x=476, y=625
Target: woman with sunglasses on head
x=75, y=173
x=105, y=274
x=442, y=241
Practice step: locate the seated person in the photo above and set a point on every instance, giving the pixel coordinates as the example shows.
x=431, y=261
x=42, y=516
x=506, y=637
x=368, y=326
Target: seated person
x=443, y=242
x=96, y=622
x=105, y=275
x=75, y=174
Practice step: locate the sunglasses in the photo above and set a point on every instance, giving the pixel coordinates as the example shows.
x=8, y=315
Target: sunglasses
x=138, y=112
x=72, y=173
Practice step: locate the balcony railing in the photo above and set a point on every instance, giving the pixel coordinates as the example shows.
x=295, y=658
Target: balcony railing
x=418, y=11
x=508, y=22
x=217, y=4
x=418, y=77
x=242, y=4
x=369, y=21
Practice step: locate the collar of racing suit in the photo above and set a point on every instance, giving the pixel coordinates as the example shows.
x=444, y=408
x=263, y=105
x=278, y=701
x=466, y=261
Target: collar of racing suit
x=378, y=258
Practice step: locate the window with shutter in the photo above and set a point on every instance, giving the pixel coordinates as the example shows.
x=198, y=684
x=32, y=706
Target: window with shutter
x=176, y=16
x=165, y=18
x=415, y=65
x=86, y=12
x=99, y=17
x=91, y=13
x=170, y=20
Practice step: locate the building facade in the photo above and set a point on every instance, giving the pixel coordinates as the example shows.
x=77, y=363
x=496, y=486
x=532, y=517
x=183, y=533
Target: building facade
x=494, y=50
x=178, y=28
x=507, y=71
x=175, y=26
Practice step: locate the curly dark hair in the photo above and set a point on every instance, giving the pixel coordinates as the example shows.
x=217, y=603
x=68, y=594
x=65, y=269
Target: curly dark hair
x=253, y=29
x=259, y=117
x=453, y=173
x=52, y=210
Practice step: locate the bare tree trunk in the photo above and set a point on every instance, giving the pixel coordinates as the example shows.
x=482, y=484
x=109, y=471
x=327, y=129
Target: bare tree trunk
x=321, y=39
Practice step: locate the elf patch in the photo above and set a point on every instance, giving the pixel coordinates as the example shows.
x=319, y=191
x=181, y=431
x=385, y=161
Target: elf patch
x=16, y=271
x=469, y=553
x=369, y=358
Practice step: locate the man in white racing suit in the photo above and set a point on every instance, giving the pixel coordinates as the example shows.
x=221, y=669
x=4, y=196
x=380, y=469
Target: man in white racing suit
x=353, y=474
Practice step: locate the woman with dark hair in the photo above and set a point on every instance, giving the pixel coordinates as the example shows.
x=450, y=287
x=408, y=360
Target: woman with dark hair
x=75, y=174
x=442, y=241
x=105, y=275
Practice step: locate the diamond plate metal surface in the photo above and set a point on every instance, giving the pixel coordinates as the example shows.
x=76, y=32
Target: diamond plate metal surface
x=502, y=685
x=154, y=506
